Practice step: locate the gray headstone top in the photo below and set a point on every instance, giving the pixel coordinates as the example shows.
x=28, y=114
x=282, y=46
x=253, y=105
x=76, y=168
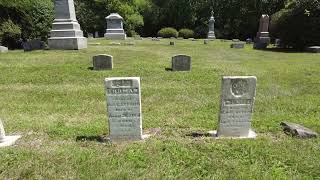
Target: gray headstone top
x=298, y=130
x=314, y=49
x=114, y=16
x=124, y=108
x=237, y=45
x=236, y=106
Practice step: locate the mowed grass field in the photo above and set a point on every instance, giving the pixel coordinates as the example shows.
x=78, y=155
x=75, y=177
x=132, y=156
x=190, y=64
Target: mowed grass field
x=52, y=98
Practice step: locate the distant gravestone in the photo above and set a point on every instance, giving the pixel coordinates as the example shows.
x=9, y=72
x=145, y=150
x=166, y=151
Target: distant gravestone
x=66, y=32
x=102, y=62
x=34, y=44
x=3, y=49
x=314, y=49
x=206, y=41
x=96, y=34
x=277, y=43
x=211, y=34
x=236, y=107
x=155, y=39
x=90, y=35
x=172, y=43
x=237, y=45
x=262, y=39
x=124, y=108
x=181, y=63
x=249, y=41
x=180, y=38
x=235, y=40
x=6, y=140
x=115, y=27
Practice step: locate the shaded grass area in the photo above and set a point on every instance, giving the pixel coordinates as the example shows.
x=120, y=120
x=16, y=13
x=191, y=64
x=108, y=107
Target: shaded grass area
x=52, y=97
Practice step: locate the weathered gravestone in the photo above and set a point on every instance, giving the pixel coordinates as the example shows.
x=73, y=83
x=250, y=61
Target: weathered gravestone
x=90, y=35
x=277, y=43
x=262, y=39
x=115, y=27
x=6, y=140
x=66, y=32
x=124, y=109
x=3, y=49
x=314, y=49
x=236, y=107
x=102, y=62
x=181, y=63
x=249, y=41
x=34, y=44
x=211, y=34
x=96, y=34
x=206, y=41
x=237, y=45
x=172, y=43
x=297, y=130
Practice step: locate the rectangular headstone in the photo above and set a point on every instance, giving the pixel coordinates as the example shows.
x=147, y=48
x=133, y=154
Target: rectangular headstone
x=181, y=63
x=124, y=108
x=102, y=62
x=237, y=45
x=236, y=107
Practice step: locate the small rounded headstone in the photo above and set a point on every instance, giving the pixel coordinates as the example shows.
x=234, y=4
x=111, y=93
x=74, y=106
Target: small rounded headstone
x=102, y=62
x=206, y=41
x=181, y=63
x=172, y=43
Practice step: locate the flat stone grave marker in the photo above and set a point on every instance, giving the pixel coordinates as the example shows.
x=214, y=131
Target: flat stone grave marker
x=314, y=49
x=3, y=49
x=236, y=107
x=6, y=140
x=181, y=62
x=102, y=62
x=237, y=45
x=249, y=41
x=124, y=109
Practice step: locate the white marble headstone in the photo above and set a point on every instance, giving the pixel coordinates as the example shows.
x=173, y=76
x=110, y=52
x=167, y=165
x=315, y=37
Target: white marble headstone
x=236, y=107
x=124, y=108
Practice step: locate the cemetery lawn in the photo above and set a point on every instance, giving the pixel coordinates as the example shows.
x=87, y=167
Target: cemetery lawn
x=53, y=98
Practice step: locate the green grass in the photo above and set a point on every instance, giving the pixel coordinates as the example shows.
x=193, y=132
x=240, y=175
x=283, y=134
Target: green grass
x=52, y=97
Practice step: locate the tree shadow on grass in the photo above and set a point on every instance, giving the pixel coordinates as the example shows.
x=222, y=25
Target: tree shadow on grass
x=168, y=69
x=90, y=68
x=198, y=134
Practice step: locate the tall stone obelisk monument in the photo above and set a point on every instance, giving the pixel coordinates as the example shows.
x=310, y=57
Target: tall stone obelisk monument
x=211, y=34
x=66, y=32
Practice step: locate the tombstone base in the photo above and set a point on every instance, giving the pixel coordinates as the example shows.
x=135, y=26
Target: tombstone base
x=115, y=140
x=9, y=141
x=115, y=36
x=68, y=43
x=251, y=135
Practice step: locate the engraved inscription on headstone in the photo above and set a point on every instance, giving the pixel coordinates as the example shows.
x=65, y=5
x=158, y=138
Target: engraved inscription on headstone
x=124, y=108
x=236, y=108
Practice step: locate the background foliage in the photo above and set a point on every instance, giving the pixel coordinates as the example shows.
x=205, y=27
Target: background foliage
x=234, y=18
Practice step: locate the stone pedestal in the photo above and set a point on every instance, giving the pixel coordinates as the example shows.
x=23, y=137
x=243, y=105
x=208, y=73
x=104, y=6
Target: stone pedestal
x=211, y=34
x=115, y=27
x=66, y=32
x=262, y=39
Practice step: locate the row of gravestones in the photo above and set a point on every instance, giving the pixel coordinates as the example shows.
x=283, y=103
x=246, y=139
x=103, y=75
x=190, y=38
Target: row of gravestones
x=125, y=115
x=105, y=62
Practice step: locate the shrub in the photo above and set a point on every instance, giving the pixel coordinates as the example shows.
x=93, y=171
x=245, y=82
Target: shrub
x=186, y=33
x=298, y=24
x=10, y=34
x=168, y=32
